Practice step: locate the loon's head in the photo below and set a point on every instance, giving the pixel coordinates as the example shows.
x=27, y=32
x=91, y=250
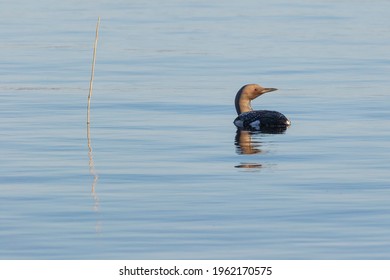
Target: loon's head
x=246, y=94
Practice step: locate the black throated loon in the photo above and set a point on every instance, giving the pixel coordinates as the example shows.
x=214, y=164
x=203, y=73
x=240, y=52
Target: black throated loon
x=250, y=119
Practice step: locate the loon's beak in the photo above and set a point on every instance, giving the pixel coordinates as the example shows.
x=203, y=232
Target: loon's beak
x=269, y=90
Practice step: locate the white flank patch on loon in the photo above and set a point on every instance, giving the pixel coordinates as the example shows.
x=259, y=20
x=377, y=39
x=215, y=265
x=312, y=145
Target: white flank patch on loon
x=239, y=123
x=255, y=124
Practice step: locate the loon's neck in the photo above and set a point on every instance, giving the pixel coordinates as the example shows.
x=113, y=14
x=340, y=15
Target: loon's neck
x=242, y=103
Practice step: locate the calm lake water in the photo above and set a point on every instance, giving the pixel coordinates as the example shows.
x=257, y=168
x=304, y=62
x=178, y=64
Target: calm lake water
x=164, y=174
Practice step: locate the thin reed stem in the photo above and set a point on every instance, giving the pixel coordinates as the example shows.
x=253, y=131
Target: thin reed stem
x=93, y=71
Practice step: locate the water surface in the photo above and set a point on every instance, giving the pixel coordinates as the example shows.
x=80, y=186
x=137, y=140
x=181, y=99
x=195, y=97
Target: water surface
x=168, y=178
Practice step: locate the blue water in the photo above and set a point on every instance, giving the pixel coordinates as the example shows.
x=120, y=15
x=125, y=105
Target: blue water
x=163, y=173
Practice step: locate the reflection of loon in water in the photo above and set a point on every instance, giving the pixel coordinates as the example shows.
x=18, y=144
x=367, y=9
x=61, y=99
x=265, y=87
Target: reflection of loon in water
x=245, y=145
x=258, y=119
x=248, y=142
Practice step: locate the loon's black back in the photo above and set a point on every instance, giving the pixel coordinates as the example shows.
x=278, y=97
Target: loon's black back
x=261, y=119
